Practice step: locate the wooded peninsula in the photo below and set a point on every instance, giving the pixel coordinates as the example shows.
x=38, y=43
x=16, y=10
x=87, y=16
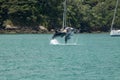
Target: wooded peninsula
x=44, y=16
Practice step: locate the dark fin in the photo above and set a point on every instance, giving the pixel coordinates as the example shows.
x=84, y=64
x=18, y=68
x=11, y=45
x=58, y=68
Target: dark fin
x=67, y=37
x=56, y=32
x=66, y=40
x=53, y=37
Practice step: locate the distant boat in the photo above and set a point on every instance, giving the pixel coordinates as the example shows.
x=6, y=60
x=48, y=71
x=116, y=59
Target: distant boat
x=65, y=32
x=114, y=32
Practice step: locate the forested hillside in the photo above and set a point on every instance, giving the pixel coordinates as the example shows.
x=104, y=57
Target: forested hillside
x=85, y=15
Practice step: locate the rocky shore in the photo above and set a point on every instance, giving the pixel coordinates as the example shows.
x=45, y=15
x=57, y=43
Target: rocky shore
x=18, y=30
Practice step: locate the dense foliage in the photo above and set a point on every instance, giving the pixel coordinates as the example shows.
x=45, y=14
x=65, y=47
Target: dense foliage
x=86, y=15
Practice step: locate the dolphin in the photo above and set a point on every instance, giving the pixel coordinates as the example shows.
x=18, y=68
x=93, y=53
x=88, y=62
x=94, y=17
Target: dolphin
x=67, y=32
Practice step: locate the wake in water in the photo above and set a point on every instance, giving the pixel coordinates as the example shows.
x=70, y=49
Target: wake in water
x=56, y=42
x=69, y=44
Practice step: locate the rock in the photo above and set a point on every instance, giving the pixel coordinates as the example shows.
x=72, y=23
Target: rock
x=9, y=27
x=42, y=28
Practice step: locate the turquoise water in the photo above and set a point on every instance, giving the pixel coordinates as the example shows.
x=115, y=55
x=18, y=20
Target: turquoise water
x=31, y=57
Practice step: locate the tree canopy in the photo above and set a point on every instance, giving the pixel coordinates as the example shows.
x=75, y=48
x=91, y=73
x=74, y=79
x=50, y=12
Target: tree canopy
x=86, y=15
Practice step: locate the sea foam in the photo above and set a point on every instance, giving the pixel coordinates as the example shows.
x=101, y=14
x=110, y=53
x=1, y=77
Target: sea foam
x=54, y=42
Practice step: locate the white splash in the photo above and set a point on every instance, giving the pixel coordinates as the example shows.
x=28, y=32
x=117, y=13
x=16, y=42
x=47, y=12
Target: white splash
x=54, y=42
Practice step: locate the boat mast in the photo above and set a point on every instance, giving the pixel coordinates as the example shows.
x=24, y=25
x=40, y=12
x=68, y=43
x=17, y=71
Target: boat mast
x=64, y=14
x=114, y=15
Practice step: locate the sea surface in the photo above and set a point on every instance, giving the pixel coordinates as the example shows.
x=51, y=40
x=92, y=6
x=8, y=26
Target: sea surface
x=32, y=57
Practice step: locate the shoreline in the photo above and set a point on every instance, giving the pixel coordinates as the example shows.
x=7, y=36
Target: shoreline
x=37, y=32
x=24, y=32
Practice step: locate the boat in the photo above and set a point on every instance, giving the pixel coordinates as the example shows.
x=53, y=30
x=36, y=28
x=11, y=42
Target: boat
x=65, y=31
x=114, y=32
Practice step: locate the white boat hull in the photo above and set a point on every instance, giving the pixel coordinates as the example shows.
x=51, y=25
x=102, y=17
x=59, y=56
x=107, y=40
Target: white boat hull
x=115, y=33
